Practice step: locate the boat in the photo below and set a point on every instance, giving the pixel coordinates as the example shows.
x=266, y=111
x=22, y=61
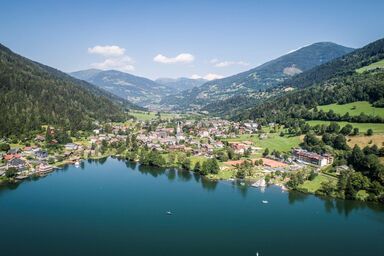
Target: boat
x=169, y=213
x=264, y=201
x=242, y=184
x=259, y=183
x=77, y=164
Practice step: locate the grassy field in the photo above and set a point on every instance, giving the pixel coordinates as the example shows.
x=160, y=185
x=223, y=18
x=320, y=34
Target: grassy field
x=272, y=142
x=363, y=141
x=379, y=64
x=363, y=127
x=354, y=109
x=313, y=185
x=145, y=116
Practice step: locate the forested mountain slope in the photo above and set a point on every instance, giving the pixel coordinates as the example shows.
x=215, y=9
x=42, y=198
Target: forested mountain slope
x=32, y=94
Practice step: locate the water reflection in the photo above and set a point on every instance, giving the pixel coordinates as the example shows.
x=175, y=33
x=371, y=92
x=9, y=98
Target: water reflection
x=207, y=184
x=342, y=207
x=294, y=196
x=184, y=175
x=171, y=174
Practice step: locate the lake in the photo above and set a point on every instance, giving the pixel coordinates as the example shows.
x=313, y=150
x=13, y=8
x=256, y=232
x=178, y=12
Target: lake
x=114, y=207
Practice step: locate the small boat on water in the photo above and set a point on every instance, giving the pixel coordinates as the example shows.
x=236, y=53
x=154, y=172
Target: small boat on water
x=242, y=184
x=169, y=213
x=77, y=164
x=259, y=183
x=264, y=201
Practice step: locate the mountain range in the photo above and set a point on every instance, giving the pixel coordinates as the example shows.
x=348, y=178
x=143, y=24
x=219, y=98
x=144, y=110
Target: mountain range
x=337, y=81
x=265, y=76
x=139, y=90
x=182, y=83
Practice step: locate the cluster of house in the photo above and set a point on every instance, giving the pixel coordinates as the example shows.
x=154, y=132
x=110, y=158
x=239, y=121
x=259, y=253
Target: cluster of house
x=201, y=137
x=26, y=161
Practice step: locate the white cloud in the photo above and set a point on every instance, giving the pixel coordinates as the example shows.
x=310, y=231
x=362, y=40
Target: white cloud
x=181, y=58
x=228, y=63
x=121, y=63
x=209, y=76
x=107, y=50
x=214, y=60
x=115, y=58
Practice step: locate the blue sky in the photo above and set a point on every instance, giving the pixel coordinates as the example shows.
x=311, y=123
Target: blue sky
x=180, y=38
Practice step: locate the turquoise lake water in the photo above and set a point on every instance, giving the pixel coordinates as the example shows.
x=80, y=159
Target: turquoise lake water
x=113, y=207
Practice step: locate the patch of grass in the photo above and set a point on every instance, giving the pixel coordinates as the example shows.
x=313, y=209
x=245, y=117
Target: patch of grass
x=146, y=116
x=354, y=109
x=363, y=127
x=223, y=174
x=375, y=65
x=273, y=141
x=313, y=185
x=195, y=159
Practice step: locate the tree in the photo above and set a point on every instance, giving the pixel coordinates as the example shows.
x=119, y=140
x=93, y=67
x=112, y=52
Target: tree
x=11, y=172
x=369, y=132
x=327, y=188
x=197, y=167
x=186, y=164
x=333, y=127
x=210, y=166
x=310, y=139
x=340, y=142
x=240, y=173
x=355, y=131
x=4, y=147
x=346, y=130
x=266, y=152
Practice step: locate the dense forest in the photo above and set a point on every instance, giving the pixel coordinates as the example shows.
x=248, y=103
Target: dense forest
x=32, y=95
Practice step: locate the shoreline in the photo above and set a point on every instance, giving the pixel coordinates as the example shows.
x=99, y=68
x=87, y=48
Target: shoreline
x=212, y=177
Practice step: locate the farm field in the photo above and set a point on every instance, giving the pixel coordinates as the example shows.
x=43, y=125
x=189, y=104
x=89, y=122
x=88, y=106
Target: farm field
x=354, y=109
x=363, y=141
x=363, y=127
x=146, y=116
x=272, y=142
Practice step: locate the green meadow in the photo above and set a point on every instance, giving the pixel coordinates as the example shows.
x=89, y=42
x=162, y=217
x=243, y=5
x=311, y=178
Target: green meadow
x=273, y=141
x=354, y=109
x=379, y=64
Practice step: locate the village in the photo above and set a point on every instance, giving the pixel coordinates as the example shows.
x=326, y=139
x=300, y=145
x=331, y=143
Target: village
x=196, y=140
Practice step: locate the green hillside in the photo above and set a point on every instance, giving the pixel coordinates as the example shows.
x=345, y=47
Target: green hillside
x=32, y=94
x=354, y=108
x=375, y=65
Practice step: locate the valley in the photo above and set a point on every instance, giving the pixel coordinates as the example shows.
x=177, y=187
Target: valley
x=310, y=134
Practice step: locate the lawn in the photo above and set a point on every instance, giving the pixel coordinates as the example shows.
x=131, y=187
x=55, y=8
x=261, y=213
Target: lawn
x=272, y=142
x=363, y=127
x=379, y=64
x=313, y=185
x=354, y=109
